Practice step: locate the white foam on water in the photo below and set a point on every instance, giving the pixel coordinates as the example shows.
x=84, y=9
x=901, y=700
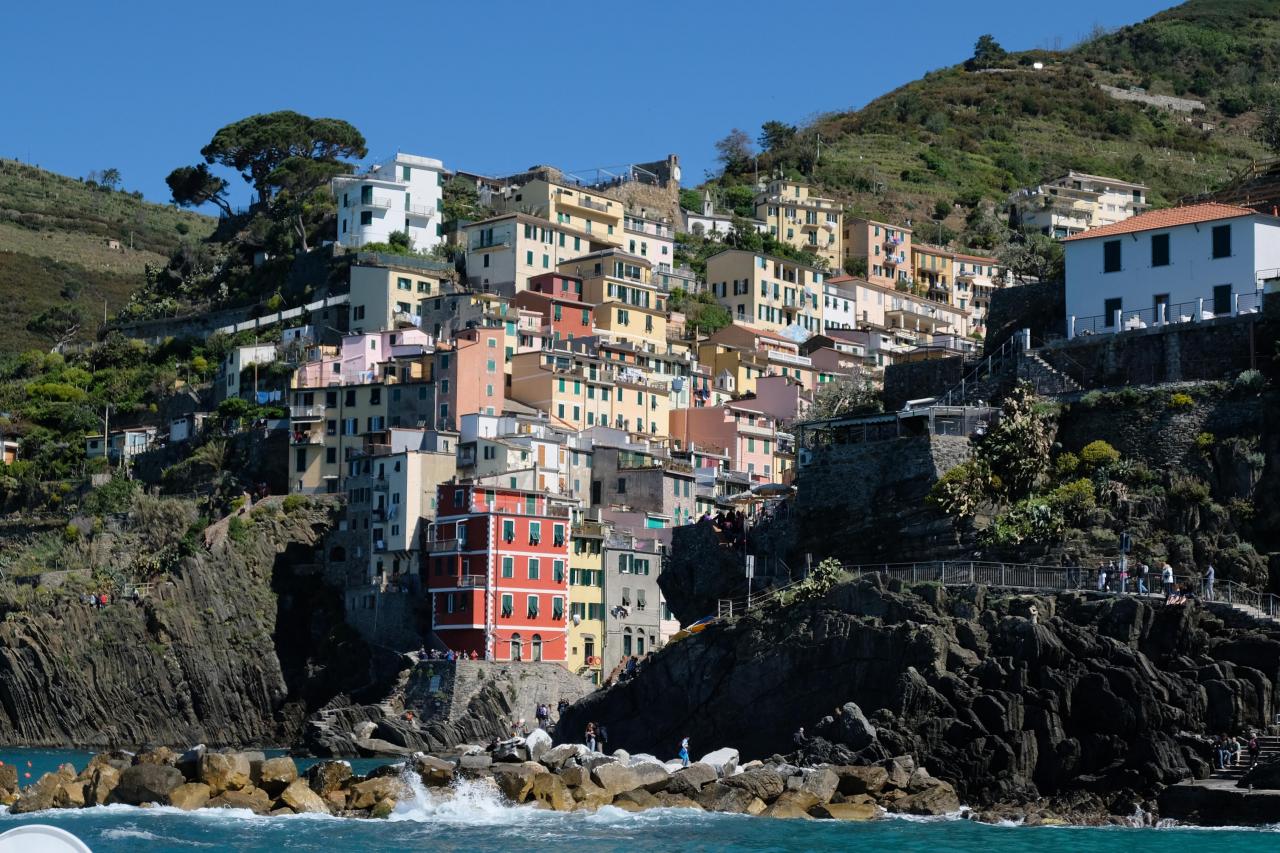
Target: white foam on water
x=466, y=802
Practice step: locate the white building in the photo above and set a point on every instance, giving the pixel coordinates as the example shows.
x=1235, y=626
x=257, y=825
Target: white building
x=1077, y=202
x=1176, y=265
x=237, y=361
x=709, y=223
x=839, y=307
x=404, y=193
x=651, y=239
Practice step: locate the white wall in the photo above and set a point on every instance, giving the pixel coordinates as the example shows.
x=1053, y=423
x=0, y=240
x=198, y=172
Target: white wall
x=392, y=191
x=1191, y=275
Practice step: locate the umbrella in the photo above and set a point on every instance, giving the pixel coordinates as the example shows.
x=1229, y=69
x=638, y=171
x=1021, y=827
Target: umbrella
x=773, y=489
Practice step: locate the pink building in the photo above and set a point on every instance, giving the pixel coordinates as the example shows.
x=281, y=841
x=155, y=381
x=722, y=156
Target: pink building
x=361, y=358
x=748, y=435
x=470, y=375
x=782, y=398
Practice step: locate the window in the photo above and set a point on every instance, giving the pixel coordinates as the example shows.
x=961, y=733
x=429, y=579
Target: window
x=1221, y=242
x=557, y=608
x=1111, y=256
x=558, y=535
x=533, y=607
x=1160, y=250
x=404, y=284
x=535, y=532
x=508, y=604
x=622, y=485
x=557, y=571
x=366, y=217
x=1221, y=296
x=508, y=527
x=508, y=567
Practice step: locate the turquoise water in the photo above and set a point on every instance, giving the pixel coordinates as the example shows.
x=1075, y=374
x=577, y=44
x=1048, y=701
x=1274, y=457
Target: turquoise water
x=37, y=762
x=474, y=820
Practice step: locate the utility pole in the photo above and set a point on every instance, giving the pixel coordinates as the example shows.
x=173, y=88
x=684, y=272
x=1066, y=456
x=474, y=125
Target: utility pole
x=106, y=434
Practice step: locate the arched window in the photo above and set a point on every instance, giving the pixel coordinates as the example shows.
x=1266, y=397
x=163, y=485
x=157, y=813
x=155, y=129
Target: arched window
x=517, y=648
x=536, y=651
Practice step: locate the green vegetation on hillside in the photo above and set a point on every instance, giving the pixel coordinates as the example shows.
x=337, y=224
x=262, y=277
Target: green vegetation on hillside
x=960, y=136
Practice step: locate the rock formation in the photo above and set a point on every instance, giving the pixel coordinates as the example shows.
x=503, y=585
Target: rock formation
x=1097, y=702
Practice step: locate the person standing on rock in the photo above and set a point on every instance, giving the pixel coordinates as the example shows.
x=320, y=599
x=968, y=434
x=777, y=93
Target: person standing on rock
x=684, y=751
x=590, y=737
x=1166, y=578
x=1208, y=583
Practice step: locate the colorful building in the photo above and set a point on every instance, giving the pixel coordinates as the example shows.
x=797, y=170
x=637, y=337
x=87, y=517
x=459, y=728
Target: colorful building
x=497, y=571
x=557, y=299
x=885, y=248
x=404, y=193
x=598, y=216
x=765, y=292
x=748, y=436
x=504, y=252
x=797, y=217
x=390, y=290
x=586, y=598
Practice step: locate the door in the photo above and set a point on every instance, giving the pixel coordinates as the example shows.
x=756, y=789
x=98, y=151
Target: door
x=517, y=649
x=1222, y=299
x=536, y=647
x=1160, y=306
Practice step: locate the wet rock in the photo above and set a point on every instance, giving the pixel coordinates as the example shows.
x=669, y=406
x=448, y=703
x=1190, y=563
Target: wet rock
x=474, y=765
x=537, y=744
x=328, y=776
x=669, y=800
x=434, y=772
x=551, y=791
x=39, y=795
x=299, y=797
x=862, y=780
x=792, y=804
x=101, y=783
x=556, y=757
x=637, y=800
x=147, y=783
x=515, y=781
x=587, y=794
x=190, y=796
x=364, y=795
x=847, y=811
x=276, y=774
x=938, y=799
x=225, y=771
x=653, y=777
x=8, y=778
x=70, y=794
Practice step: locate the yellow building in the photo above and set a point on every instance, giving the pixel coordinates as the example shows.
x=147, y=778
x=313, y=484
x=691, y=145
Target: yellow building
x=932, y=269
x=597, y=216
x=768, y=293
x=586, y=598
x=628, y=306
x=738, y=355
x=578, y=391
x=801, y=219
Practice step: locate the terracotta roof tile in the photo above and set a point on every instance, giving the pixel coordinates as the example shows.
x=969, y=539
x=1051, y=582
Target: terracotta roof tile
x=1166, y=218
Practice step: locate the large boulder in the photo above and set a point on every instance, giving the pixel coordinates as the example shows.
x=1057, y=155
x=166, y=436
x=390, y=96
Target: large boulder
x=190, y=796
x=299, y=797
x=551, y=791
x=158, y=755
x=615, y=778
x=276, y=774
x=70, y=794
x=847, y=811
x=434, y=772
x=762, y=782
x=938, y=799
x=853, y=728
x=689, y=780
x=189, y=761
x=719, y=797
x=822, y=783
x=587, y=794
x=328, y=776
x=653, y=777
x=103, y=781
x=474, y=765
x=557, y=756
x=677, y=801
x=724, y=761
x=636, y=801
x=39, y=795
x=861, y=780
x=791, y=805
x=8, y=778
x=515, y=781
x=537, y=744
x=225, y=771
x=252, y=799
x=367, y=794
x=147, y=783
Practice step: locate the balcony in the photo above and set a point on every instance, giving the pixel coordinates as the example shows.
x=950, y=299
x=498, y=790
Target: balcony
x=306, y=413
x=421, y=211
x=571, y=198
x=472, y=582
x=383, y=203
x=441, y=546
x=302, y=438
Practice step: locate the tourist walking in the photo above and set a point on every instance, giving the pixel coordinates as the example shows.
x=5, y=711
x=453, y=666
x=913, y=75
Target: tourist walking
x=1143, y=571
x=602, y=737
x=1255, y=749
x=1208, y=583
x=684, y=751
x=590, y=738
x=1102, y=578
x=1166, y=578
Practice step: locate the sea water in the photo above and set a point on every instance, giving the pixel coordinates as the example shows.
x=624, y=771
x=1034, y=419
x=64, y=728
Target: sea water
x=474, y=819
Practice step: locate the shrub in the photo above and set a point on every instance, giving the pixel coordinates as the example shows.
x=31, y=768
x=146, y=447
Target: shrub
x=113, y=496
x=1073, y=500
x=1065, y=465
x=1190, y=490
x=1092, y=399
x=1180, y=400
x=1099, y=454
x=238, y=530
x=1250, y=382
x=71, y=533
x=959, y=491
x=293, y=503
x=237, y=503
x=1204, y=441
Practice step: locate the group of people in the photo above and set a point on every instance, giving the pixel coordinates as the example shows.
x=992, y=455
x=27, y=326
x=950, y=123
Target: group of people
x=595, y=737
x=730, y=526
x=1116, y=577
x=95, y=599
x=435, y=654
x=1230, y=750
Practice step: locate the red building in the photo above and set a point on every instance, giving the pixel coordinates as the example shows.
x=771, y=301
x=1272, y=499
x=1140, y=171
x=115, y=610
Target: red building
x=558, y=298
x=496, y=568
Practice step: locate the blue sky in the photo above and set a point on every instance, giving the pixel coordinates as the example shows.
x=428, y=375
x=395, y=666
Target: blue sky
x=490, y=87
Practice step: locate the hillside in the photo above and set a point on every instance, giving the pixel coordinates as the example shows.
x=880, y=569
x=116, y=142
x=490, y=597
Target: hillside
x=963, y=135
x=54, y=249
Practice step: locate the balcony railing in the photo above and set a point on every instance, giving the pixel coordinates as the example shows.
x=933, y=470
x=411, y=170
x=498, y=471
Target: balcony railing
x=420, y=210
x=306, y=413
x=472, y=581
x=439, y=546
x=583, y=201
x=305, y=437
x=383, y=203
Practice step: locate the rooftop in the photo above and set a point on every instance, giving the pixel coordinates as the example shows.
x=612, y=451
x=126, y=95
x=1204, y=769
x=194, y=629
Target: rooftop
x=1167, y=218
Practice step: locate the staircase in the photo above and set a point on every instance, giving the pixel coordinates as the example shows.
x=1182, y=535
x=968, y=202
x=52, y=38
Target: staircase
x=988, y=377
x=1270, y=752
x=1046, y=378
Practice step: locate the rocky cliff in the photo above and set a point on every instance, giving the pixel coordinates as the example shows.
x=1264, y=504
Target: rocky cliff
x=1083, y=699
x=231, y=647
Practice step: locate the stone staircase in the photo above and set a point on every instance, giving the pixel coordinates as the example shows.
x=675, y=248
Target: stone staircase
x=1047, y=379
x=1270, y=752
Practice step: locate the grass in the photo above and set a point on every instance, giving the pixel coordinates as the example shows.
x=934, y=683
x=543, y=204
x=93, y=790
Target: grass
x=54, y=234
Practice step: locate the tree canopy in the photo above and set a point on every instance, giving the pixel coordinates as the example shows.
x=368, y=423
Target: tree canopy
x=192, y=186
x=259, y=145
x=735, y=151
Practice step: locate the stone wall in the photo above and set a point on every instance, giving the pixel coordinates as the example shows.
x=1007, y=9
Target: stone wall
x=1040, y=307
x=915, y=379
x=1213, y=349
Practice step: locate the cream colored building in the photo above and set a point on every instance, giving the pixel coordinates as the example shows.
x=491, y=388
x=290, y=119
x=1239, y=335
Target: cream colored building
x=628, y=306
x=1076, y=202
x=768, y=293
x=504, y=252
x=389, y=291
x=797, y=217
